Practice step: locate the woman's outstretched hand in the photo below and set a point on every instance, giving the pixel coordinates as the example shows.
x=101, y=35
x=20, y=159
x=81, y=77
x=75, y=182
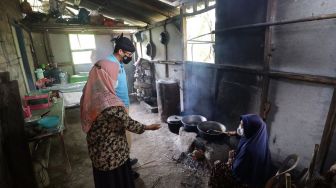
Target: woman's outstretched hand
x=153, y=127
x=232, y=154
x=231, y=133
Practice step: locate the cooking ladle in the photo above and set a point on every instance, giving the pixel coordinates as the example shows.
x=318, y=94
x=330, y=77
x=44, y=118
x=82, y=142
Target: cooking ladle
x=215, y=131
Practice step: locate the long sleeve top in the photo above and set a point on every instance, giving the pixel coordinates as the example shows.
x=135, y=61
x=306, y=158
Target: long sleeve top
x=107, y=143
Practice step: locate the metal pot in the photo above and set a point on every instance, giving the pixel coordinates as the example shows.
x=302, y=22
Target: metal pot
x=190, y=122
x=34, y=119
x=211, y=130
x=174, y=123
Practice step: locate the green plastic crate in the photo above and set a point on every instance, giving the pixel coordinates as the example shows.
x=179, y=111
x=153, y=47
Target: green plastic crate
x=78, y=78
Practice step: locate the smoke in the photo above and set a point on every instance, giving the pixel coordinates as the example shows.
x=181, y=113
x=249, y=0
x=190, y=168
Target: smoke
x=199, y=90
x=220, y=95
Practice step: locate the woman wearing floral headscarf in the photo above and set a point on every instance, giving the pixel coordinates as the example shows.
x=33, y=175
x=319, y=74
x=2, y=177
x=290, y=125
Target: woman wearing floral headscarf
x=105, y=120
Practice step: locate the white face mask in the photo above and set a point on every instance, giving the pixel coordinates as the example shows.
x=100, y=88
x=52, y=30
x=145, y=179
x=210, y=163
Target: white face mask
x=240, y=131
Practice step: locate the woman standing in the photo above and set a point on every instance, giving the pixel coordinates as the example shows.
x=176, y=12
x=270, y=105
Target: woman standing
x=104, y=119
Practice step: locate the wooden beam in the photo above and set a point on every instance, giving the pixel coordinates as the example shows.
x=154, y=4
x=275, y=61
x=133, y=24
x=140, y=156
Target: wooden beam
x=176, y=3
x=120, y=9
x=267, y=24
x=328, y=133
x=115, y=13
x=140, y=8
x=229, y=68
x=303, y=77
x=35, y=59
x=285, y=22
x=166, y=53
x=162, y=23
x=47, y=47
x=65, y=28
x=264, y=104
x=325, y=80
x=152, y=8
x=6, y=180
x=183, y=26
x=311, y=169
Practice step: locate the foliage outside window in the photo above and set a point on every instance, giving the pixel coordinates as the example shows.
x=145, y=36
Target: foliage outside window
x=201, y=49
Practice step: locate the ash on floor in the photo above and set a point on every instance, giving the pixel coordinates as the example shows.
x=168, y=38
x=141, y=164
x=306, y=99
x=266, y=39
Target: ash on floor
x=154, y=149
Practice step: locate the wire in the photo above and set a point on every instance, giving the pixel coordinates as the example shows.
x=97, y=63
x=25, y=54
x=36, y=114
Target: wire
x=199, y=36
x=200, y=41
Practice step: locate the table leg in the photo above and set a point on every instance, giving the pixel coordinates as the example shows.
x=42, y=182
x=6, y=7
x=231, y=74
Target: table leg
x=64, y=121
x=65, y=153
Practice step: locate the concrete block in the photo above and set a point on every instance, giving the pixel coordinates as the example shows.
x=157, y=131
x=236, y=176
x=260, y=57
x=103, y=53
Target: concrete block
x=185, y=140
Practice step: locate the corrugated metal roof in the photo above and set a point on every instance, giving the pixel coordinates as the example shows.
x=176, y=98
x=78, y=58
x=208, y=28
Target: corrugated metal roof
x=135, y=12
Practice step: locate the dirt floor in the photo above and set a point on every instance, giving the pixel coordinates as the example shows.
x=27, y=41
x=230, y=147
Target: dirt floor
x=154, y=149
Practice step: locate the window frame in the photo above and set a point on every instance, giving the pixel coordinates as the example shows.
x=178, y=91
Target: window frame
x=72, y=51
x=185, y=11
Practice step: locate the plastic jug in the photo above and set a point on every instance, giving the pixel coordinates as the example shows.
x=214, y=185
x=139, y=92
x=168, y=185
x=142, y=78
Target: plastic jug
x=63, y=77
x=39, y=74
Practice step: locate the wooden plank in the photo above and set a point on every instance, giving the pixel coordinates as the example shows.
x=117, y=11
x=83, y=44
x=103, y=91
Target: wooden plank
x=5, y=180
x=328, y=133
x=119, y=11
x=276, y=23
x=264, y=104
x=325, y=80
x=183, y=30
x=151, y=8
x=18, y=54
x=268, y=24
x=311, y=168
x=15, y=146
x=33, y=51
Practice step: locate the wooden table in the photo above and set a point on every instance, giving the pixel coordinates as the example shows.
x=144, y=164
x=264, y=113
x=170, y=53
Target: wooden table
x=71, y=92
x=57, y=109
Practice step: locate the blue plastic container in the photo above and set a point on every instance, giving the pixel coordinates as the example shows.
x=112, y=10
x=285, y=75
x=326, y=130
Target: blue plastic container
x=49, y=122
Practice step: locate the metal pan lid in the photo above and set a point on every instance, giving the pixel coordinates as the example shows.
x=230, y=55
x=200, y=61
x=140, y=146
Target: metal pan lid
x=174, y=119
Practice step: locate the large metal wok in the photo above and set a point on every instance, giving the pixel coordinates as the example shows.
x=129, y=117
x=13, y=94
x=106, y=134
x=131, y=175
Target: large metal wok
x=211, y=130
x=190, y=122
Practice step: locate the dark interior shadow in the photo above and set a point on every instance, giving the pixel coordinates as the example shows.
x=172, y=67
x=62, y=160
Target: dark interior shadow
x=139, y=183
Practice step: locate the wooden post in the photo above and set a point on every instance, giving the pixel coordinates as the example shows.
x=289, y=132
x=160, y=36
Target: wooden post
x=184, y=32
x=5, y=179
x=47, y=48
x=328, y=133
x=264, y=104
x=14, y=146
x=166, y=52
x=312, y=164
